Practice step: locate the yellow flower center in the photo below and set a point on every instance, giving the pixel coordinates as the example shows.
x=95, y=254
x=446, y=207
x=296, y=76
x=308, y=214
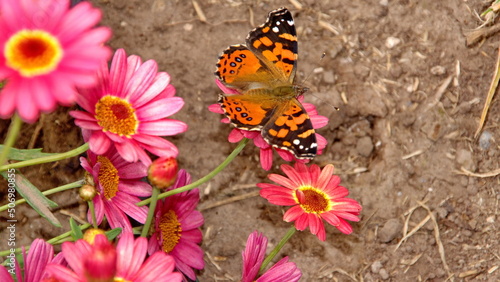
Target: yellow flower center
x=108, y=177
x=170, y=230
x=119, y=279
x=33, y=52
x=116, y=115
x=313, y=200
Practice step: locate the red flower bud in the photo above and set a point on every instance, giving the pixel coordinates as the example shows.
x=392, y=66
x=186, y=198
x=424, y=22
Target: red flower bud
x=162, y=173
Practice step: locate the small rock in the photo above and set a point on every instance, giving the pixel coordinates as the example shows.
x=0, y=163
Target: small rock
x=391, y=229
x=467, y=233
x=391, y=42
x=472, y=190
x=364, y=146
x=376, y=266
x=438, y=70
x=328, y=77
x=484, y=140
x=384, y=274
x=441, y=212
x=464, y=158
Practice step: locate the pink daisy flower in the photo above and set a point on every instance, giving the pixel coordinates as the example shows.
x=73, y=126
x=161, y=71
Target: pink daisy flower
x=101, y=261
x=314, y=194
x=39, y=255
x=177, y=230
x=48, y=49
x=266, y=150
x=128, y=109
x=118, y=184
x=253, y=256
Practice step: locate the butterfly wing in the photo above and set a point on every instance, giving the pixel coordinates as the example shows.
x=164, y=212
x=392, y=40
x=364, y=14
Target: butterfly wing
x=275, y=44
x=290, y=128
x=239, y=68
x=268, y=60
x=250, y=111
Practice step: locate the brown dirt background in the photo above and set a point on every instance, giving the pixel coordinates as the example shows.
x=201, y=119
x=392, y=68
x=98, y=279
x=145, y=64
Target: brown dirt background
x=395, y=140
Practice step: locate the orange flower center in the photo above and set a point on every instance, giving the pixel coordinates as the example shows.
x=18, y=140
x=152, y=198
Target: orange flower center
x=116, y=115
x=108, y=177
x=170, y=230
x=313, y=200
x=33, y=52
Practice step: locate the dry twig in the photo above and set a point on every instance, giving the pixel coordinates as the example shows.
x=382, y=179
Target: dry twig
x=464, y=171
x=489, y=98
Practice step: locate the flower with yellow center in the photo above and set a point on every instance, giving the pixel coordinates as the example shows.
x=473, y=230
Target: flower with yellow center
x=49, y=50
x=33, y=52
x=119, y=186
x=128, y=110
x=176, y=229
x=314, y=195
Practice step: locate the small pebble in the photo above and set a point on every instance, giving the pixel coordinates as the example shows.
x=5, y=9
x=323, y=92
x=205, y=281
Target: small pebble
x=391, y=42
x=384, y=274
x=464, y=158
x=438, y=70
x=485, y=140
x=390, y=230
x=364, y=146
x=376, y=266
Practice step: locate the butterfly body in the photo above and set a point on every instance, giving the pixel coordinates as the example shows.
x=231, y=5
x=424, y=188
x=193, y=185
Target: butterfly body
x=263, y=70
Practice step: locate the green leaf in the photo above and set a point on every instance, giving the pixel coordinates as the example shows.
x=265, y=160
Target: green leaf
x=111, y=234
x=76, y=232
x=24, y=155
x=32, y=195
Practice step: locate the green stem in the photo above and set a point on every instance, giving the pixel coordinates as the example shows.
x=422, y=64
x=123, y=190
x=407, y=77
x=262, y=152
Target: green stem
x=204, y=179
x=56, y=240
x=69, y=186
x=92, y=212
x=14, y=128
x=277, y=249
x=151, y=212
x=48, y=159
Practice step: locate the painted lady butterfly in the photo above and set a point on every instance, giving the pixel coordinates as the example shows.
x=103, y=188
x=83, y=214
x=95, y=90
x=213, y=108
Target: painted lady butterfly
x=264, y=70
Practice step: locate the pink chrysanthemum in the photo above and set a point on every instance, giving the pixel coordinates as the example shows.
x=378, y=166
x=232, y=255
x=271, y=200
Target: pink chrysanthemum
x=128, y=110
x=177, y=228
x=266, y=150
x=40, y=254
x=101, y=261
x=118, y=184
x=253, y=256
x=315, y=194
x=48, y=49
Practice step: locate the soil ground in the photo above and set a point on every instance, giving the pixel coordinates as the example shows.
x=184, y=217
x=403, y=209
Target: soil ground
x=410, y=93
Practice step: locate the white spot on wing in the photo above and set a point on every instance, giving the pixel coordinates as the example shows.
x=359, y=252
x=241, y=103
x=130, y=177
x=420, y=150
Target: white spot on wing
x=314, y=145
x=276, y=29
x=296, y=141
x=290, y=22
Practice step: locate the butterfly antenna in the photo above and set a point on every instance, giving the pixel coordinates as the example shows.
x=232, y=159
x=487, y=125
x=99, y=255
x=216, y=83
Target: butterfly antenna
x=309, y=75
x=311, y=72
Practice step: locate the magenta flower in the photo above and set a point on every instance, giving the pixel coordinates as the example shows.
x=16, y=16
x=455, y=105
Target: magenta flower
x=128, y=109
x=101, y=261
x=266, y=150
x=314, y=194
x=118, y=184
x=48, y=51
x=39, y=255
x=253, y=256
x=177, y=228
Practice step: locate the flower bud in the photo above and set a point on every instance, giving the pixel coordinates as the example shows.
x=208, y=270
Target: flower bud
x=87, y=192
x=162, y=173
